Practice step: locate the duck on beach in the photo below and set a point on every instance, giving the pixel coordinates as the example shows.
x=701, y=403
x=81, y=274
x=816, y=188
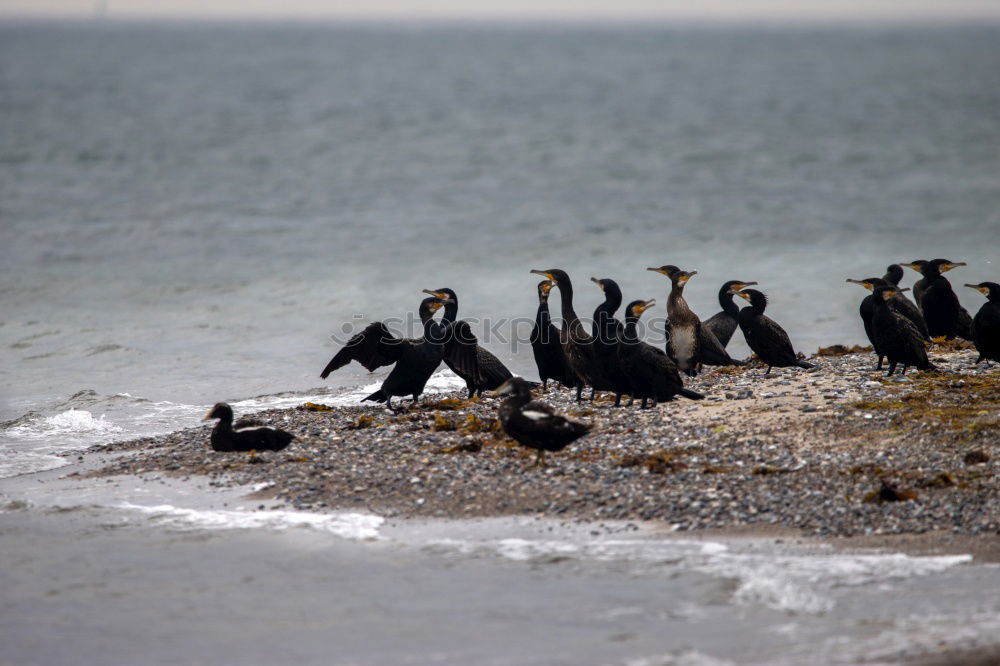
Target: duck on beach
x=226, y=437
x=535, y=424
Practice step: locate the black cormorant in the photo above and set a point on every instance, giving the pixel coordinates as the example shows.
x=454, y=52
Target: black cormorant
x=906, y=307
x=607, y=332
x=545, y=345
x=944, y=315
x=652, y=374
x=764, y=336
x=245, y=438
x=724, y=324
x=893, y=274
x=896, y=336
x=491, y=372
x=689, y=342
x=986, y=324
x=416, y=360
x=577, y=344
x=534, y=424
x=899, y=303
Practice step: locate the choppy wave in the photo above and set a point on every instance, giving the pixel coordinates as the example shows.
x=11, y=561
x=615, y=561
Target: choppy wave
x=33, y=441
x=783, y=581
x=72, y=422
x=345, y=525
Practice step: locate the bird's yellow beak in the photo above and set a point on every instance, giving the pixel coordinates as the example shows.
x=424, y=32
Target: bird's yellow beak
x=866, y=285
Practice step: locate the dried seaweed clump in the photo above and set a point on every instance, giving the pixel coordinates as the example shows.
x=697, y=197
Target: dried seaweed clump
x=842, y=350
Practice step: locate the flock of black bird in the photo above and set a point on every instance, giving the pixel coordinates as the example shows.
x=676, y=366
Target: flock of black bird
x=610, y=357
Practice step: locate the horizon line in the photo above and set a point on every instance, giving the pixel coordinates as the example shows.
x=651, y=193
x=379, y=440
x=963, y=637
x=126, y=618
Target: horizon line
x=651, y=19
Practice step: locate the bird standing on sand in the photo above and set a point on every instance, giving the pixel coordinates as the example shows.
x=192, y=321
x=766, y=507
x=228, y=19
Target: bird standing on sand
x=723, y=324
x=764, y=336
x=689, y=342
x=577, y=344
x=247, y=438
x=545, y=345
x=535, y=424
x=899, y=303
x=986, y=324
x=415, y=360
x=942, y=311
x=490, y=371
x=653, y=375
x=895, y=335
x=607, y=333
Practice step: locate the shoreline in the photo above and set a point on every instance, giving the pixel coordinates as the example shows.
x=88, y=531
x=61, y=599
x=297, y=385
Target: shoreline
x=799, y=450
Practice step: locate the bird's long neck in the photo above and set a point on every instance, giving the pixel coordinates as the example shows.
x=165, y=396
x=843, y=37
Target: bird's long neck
x=431, y=326
x=450, y=311
x=630, y=333
x=542, y=317
x=758, y=303
x=726, y=301
x=225, y=423
x=677, y=307
x=572, y=322
x=607, y=309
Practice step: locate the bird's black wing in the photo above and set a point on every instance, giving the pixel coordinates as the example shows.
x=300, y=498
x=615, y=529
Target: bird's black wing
x=722, y=325
x=964, y=329
x=711, y=351
x=904, y=306
x=460, y=350
x=373, y=348
x=773, y=341
x=493, y=371
x=538, y=419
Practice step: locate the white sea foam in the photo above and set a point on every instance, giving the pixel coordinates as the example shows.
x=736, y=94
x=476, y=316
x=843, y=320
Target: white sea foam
x=345, y=525
x=67, y=423
x=684, y=658
x=789, y=582
x=32, y=443
x=441, y=381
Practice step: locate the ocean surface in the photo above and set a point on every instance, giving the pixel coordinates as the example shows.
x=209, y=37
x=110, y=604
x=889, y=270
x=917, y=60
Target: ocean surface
x=192, y=213
x=166, y=572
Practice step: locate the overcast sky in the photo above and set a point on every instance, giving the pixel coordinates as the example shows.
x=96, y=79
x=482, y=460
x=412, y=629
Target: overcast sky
x=514, y=9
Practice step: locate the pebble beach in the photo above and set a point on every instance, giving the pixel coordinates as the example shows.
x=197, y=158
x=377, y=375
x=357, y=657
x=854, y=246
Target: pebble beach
x=836, y=451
